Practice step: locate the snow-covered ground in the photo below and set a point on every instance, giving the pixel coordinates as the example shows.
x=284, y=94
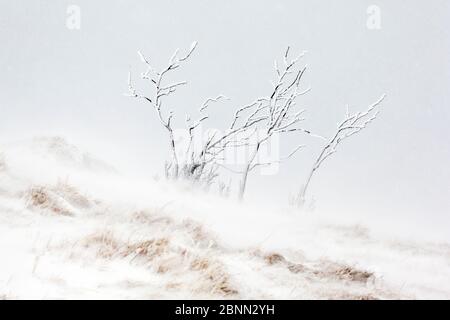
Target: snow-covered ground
x=73, y=227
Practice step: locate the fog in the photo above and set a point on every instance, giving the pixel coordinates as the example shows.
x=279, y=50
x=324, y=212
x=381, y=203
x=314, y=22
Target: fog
x=70, y=82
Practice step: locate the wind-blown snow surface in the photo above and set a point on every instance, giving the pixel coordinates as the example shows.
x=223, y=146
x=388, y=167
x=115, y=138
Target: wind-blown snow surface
x=72, y=227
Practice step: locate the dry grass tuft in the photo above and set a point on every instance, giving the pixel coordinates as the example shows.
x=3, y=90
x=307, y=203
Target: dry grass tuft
x=149, y=249
x=353, y=274
x=163, y=269
x=199, y=234
x=188, y=256
x=72, y=195
x=323, y=269
x=200, y=264
x=219, y=281
x=44, y=199
x=351, y=296
x=105, y=244
x=174, y=285
x=163, y=258
x=62, y=199
x=38, y=196
x=296, y=268
x=213, y=278
x=343, y=272
x=274, y=258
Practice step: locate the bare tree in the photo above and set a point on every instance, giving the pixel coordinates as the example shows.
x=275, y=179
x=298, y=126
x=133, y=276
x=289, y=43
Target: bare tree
x=274, y=114
x=252, y=126
x=201, y=163
x=162, y=91
x=352, y=124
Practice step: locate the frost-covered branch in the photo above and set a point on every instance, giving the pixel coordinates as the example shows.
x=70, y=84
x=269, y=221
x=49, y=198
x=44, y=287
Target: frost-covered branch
x=161, y=91
x=352, y=124
x=251, y=127
x=201, y=163
x=275, y=114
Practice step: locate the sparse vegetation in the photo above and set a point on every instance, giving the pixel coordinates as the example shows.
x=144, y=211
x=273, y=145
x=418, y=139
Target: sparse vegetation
x=160, y=248
x=353, y=274
x=252, y=126
x=163, y=257
x=44, y=199
x=105, y=244
x=62, y=199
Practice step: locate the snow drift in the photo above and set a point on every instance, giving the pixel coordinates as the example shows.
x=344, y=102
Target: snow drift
x=72, y=227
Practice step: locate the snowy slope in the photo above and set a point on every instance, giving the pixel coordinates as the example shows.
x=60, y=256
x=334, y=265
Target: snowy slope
x=72, y=227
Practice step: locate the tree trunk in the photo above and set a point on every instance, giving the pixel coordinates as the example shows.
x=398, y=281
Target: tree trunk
x=246, y=172
x=243, y=183
x=302, y=195
x=174, y=156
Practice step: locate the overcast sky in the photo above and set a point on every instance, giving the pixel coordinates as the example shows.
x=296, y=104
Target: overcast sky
x=58, y=81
